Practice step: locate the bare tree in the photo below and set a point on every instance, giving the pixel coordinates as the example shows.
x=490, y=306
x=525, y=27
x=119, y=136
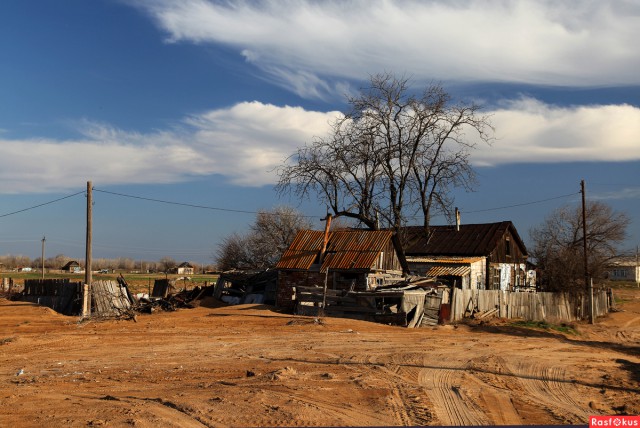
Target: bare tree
x=233, y=252
x=392, y=155
x=558, y=244
x=167, y=263
x=271, y=234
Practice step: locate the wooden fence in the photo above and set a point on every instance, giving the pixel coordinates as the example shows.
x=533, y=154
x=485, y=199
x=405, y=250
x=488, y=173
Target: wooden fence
x=551, y=307
x=108, y=298
x=61, y=295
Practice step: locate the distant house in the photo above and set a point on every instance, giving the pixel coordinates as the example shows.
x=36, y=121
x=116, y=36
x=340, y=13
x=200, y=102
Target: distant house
x=624, y=269
x=72, y=267
x=349, y=260
x=487, y=256
x=24, y=269
x=185, y=269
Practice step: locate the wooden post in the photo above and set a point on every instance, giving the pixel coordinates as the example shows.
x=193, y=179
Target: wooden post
x=591, y=306
x=637, y=271
x=86, y=309
x=584, y=245
x=43, y=239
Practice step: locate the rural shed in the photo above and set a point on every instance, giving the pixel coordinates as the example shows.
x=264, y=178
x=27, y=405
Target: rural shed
x=488, y=256
x=345, y=259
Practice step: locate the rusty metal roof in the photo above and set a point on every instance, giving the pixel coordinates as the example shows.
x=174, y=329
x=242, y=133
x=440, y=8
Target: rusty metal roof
x=449, y=271
x=346, y=249
x=444, y=260
x=470, y=240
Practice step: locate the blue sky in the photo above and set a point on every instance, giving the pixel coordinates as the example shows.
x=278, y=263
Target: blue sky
x=197, y=101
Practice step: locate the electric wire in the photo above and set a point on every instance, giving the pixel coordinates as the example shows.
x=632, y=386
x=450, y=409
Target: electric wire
x=522, y=204
x=194, y=205
x=43, y=204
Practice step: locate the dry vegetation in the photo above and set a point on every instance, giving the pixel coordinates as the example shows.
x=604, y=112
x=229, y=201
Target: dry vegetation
x=253, y=366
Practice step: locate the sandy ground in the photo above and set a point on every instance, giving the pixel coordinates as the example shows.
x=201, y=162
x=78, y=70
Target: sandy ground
x=253, y=366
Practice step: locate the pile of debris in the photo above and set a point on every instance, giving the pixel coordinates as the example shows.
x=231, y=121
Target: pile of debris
x=164, y=296
x=240, y=287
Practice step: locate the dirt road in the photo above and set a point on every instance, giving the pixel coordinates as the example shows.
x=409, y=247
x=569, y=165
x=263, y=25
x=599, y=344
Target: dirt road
x=252, y=366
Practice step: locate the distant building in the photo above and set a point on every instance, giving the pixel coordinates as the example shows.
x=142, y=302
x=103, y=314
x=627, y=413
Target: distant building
x=72, y=267
x=185, y=269
x=624, y=269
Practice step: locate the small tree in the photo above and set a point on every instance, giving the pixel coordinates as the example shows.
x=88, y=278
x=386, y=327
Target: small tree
x=559, y=250
x=261, y=248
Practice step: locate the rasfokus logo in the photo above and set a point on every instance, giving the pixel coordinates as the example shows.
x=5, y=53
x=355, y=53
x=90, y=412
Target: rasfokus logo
x=614, y=421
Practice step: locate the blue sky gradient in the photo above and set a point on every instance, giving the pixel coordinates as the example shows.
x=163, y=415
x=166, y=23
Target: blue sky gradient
x=197, y=101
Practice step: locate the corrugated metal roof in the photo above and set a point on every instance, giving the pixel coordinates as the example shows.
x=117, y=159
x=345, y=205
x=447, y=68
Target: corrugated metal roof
x=449, y=271
x=470, y=240
x=444, y=260
x=346, y=249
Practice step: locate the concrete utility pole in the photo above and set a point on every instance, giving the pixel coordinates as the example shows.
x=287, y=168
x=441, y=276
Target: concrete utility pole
x=43, y=239
x=87, y=270
x=587, y=283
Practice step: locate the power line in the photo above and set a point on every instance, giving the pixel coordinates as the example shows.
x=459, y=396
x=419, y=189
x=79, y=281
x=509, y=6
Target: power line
x=197, y=206
x=523, y=204
x=41, y=205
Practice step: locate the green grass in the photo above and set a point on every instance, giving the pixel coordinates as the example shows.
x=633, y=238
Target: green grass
x=543, y=325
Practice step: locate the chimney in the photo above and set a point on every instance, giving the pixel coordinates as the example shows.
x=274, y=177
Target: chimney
x=325, y=241
x=457, y=220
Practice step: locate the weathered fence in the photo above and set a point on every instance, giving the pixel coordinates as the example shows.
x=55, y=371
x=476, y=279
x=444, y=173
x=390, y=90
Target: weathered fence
x=108, y=298
x=552, y=307
x=61, y=295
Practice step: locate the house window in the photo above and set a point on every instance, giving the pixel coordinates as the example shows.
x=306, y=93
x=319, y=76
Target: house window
x=620, y=273
x=496, y=279
x=507, y=247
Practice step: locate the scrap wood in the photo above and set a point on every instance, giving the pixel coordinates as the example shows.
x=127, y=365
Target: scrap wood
x=486, y=314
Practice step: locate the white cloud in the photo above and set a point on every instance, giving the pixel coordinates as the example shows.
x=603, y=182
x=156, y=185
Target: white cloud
x=624, y=193
x=245, y=142
x=528, y=131
x=302, y=45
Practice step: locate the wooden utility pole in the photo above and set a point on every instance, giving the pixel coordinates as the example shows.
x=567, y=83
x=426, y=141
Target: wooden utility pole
x=43, y=239
x=587, y=284
x=325, y=241
x=87, y=270
x=637, y=272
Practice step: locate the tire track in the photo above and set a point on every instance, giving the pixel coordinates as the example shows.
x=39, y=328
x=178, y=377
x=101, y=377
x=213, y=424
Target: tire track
x=549, y=387
x=451, y=403
x=409, y=403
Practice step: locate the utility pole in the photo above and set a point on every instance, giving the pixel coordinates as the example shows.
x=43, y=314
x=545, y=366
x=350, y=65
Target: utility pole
x=43, y=239
x=87, y=270
x=637, y=273
x=587, y=284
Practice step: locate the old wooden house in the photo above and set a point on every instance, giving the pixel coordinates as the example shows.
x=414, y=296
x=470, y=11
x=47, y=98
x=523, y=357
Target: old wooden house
x=487, y=256
x=349, y=260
